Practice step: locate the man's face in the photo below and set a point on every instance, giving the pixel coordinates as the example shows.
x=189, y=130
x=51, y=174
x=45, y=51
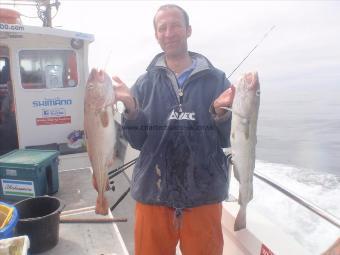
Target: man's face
x=171, y=32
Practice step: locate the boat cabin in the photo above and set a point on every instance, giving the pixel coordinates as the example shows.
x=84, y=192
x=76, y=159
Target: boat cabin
x=43, y=72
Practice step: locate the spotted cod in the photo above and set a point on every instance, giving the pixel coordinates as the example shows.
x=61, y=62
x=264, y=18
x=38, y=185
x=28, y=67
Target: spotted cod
x=100, y=132
x=245, y=110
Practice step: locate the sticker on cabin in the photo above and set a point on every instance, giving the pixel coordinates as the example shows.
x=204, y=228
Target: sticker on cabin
x=55, y=112
x=50, y=102
x=53, y=120
x=17, y=188
x=266, y=251
x=8, y=27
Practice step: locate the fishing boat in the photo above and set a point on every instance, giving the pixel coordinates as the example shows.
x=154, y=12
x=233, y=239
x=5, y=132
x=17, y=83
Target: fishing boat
x=43, y=74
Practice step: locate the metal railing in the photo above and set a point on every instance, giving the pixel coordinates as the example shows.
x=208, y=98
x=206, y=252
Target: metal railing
x=310, y=206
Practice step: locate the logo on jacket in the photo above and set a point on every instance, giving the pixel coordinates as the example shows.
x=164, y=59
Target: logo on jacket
x=182, y=115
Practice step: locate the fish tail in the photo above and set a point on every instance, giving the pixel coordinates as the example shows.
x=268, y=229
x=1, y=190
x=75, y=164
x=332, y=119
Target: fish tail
x=95, y=185
x=240, y=221
x=102, y=205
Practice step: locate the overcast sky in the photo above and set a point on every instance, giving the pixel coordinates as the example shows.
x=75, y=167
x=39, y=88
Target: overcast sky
x=304, y=45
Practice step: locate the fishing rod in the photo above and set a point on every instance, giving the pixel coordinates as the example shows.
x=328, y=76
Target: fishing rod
x=264, y=36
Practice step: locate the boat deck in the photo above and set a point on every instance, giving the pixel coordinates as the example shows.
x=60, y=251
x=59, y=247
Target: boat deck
x=117, y=238
x=77, y=193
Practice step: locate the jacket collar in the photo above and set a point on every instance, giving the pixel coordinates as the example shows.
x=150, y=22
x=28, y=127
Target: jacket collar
x=202, y=63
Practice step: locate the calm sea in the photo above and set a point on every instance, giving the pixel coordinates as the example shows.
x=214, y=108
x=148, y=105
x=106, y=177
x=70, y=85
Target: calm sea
x=300, y=126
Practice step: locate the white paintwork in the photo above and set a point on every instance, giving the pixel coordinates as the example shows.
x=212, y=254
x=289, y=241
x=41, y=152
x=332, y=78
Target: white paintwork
x=9, y=29
x=259, y=231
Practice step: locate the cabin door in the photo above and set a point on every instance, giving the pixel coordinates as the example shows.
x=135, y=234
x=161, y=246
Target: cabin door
x=8, y=127
x=50, y=96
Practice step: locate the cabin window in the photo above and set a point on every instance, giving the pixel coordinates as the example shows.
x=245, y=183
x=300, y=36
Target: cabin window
x=48, y=69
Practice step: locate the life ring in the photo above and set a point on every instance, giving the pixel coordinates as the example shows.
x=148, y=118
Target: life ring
x=9, y=16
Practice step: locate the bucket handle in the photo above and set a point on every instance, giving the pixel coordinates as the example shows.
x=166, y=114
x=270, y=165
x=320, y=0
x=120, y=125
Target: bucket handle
x=61, y=206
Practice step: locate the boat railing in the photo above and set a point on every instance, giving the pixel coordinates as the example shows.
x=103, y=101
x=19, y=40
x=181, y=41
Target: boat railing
x=300, y=200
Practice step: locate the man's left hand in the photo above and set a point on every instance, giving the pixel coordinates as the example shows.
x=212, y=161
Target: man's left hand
x=224, y=100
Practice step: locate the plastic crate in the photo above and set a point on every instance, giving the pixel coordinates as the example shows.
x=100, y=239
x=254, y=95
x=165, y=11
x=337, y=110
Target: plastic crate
x=28, y=173
x=8, y=220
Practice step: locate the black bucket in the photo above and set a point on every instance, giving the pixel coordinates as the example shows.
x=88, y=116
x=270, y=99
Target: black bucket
x=39, y=219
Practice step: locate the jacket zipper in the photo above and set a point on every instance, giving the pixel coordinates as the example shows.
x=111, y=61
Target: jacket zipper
x=180, y=91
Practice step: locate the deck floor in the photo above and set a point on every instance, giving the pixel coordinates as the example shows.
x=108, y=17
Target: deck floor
x=76, y=191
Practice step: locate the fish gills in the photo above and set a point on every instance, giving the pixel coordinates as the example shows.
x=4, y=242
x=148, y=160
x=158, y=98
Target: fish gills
x=100, y=132
x=245, y=110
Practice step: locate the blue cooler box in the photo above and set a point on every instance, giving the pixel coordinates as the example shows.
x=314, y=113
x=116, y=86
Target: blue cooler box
x=28, y=173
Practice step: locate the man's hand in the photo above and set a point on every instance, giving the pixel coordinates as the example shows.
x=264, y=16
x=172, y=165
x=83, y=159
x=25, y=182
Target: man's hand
x=224, y=100
x=123, y=94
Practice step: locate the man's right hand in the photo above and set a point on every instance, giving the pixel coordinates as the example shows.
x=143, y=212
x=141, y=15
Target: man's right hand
x=123, y=94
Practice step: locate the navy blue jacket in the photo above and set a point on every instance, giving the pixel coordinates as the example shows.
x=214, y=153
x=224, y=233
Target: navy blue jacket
x=181, y=162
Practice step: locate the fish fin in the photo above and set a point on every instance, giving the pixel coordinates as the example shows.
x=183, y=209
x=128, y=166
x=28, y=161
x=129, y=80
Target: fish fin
x=236, y=172
x=114, y=109
x=102, y=205
x=231, y=198
x=104, y=118
x=240, y=221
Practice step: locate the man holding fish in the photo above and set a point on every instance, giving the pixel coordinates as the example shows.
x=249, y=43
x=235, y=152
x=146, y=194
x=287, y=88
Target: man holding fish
x=180, y=177
x=176, y=116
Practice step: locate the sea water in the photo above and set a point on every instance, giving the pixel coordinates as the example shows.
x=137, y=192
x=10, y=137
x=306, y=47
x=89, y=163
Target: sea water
x=298, y=147
x=321, y=189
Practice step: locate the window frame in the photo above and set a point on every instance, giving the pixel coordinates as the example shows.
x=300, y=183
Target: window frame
x=68, y=52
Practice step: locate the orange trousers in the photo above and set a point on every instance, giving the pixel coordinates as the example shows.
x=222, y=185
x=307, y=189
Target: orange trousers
x=198, y=230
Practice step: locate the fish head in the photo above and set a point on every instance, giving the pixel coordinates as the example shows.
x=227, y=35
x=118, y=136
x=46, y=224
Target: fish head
x=249, y=83
x=99, y=91
x=247, y=93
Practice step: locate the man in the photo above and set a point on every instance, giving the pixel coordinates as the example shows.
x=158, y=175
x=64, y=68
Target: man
x=174, y=117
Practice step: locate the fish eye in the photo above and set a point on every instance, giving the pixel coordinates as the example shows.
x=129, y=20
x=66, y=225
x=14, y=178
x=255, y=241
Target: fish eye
x=258, y=92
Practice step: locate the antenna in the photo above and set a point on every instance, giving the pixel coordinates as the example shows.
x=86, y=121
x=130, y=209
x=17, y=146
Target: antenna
x=44, y=8
x=264, y=36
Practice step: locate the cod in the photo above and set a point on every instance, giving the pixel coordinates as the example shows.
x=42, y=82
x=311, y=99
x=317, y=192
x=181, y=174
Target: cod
x=245, y=110
x=100, y=132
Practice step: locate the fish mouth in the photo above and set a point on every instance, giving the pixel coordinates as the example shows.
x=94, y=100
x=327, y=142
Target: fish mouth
x=252, y=81
x=96, y=75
